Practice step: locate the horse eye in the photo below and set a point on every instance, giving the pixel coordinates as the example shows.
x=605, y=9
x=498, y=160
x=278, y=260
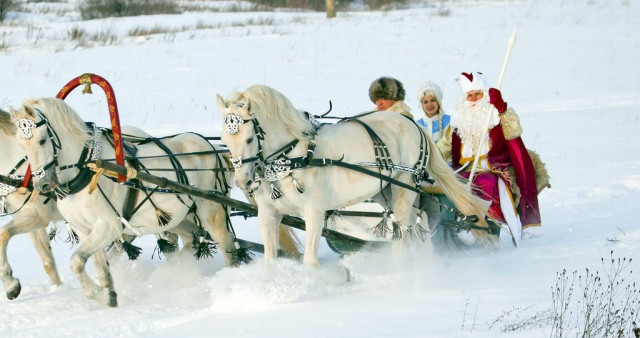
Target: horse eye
x=42, y=142
x=249, y=140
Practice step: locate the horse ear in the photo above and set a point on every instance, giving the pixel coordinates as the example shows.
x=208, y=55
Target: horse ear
x=220, y=103
x=30, y=111
x=27, y=110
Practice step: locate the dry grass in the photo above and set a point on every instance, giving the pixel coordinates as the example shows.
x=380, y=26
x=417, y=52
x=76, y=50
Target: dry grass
x=4, y=45
x=84, y=39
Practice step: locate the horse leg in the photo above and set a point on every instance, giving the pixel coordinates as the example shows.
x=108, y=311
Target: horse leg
x=102, y=269
x=404, y=217
x=314, y=222
x=214, y=218
x=98, y=239
x=40, y=240
x=429, y=212
x=186, y=230
x=289, y=241
x=26, y=220
x=269, y=220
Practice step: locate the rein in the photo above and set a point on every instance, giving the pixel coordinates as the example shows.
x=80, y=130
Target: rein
x=282, y=166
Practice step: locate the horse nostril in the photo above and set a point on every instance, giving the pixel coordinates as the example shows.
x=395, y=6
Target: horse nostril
x=249, y=183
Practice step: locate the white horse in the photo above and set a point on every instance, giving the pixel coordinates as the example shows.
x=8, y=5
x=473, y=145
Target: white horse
x=261, y=127
x=33, y=217
x=54, y=136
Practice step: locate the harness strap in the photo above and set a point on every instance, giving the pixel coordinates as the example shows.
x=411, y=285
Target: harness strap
x=5, y=211
x=125, y=222
x=180, y=174
x=283, y=151
x=383, y=157
x=299, y=163
x=77, y=183
x=129, y=202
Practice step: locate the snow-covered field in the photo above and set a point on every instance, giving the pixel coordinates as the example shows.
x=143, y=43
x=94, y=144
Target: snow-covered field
x=573, y=78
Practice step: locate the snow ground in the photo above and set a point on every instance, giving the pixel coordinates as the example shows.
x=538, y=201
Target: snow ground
x=573, y=78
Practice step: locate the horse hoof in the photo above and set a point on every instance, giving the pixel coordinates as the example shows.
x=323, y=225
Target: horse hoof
x=15, y=292
x=113, y=299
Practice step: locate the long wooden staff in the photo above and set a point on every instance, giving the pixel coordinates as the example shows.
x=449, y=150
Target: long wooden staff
x=512, y=41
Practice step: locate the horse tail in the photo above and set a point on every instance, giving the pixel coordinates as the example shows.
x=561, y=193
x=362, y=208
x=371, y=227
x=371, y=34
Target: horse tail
x=289, y=241
x=459, y=193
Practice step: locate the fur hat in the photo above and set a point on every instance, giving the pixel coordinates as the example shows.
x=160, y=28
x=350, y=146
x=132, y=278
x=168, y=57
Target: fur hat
x=432, y=89
x=472, y=81
x=386, y=88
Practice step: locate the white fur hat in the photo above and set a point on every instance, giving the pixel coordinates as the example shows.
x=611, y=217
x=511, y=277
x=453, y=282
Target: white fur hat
x=473, y=81
x=431, y=88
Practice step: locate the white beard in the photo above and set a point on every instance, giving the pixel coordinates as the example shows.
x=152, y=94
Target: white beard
x=470, y=119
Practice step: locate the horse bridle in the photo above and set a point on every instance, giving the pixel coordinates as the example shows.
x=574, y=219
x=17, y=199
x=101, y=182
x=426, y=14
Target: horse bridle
x=25, y=127
x=232, y=123
x=91, y=152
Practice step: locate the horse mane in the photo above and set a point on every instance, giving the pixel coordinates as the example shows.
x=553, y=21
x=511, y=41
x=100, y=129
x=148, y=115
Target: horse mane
x=275, y=108
x=5, y=123
x=61, y=117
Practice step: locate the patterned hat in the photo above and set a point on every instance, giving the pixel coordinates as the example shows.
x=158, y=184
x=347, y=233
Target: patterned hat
x=386, y=88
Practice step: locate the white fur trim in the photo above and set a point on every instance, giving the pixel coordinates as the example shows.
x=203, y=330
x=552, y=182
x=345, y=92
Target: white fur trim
x=479, y=82
x=509, y=211
x=399, y=107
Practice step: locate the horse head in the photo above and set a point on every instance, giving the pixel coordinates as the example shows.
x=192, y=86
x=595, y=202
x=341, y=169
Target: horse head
x=34, y=137
x=241, y=134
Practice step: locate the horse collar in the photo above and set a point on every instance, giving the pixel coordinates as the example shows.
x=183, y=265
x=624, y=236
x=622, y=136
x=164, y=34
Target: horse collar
x=6, y=189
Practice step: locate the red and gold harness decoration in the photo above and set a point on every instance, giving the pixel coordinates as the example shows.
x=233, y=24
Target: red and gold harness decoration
x=87, y=80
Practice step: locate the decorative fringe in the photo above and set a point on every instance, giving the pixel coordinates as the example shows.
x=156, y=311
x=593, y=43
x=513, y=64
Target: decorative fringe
x=132, y=251
x=330, y=217
x=297, y=185
x=420, y=232
x=52, y=234
x=72, y=236
x=241, y=255
x=397, y=231
x=166, y=246
x=275, y=192
x=163, y=217
x=381, y=229
x=204, y=247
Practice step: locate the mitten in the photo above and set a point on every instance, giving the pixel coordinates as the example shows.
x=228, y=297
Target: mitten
x=495, y=98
